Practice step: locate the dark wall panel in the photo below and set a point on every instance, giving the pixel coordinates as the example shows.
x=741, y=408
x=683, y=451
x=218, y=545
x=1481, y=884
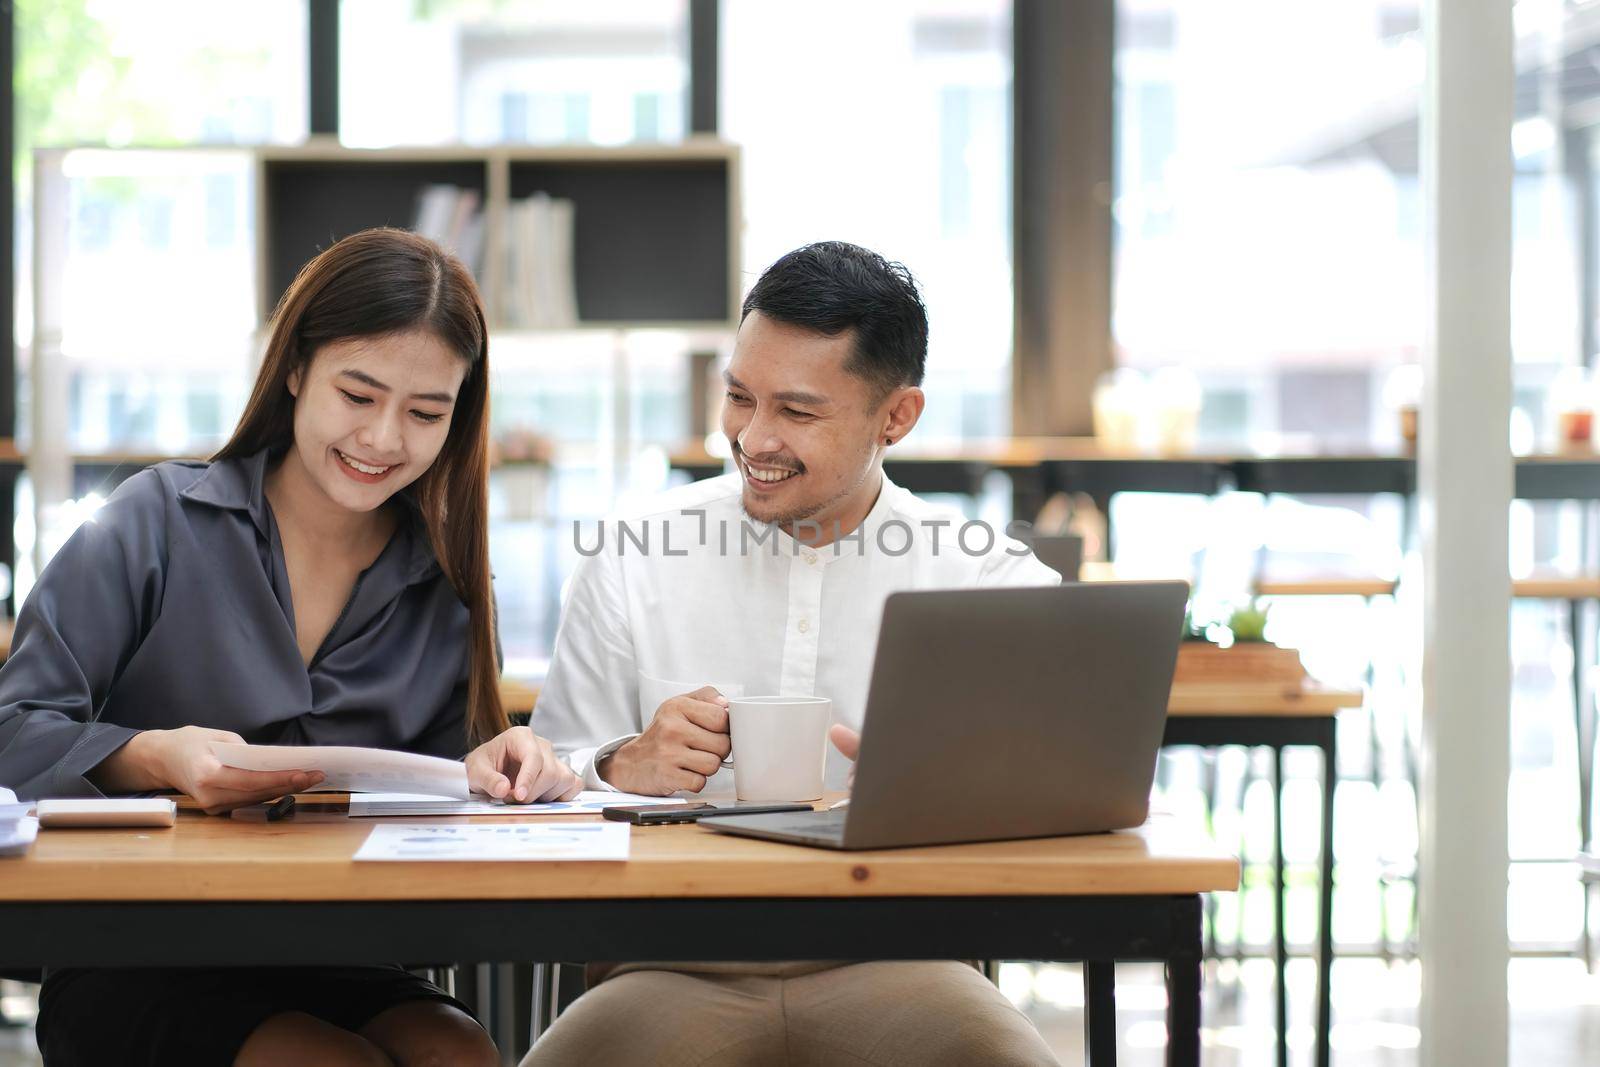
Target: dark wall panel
x=651, y=239
x=311, y=205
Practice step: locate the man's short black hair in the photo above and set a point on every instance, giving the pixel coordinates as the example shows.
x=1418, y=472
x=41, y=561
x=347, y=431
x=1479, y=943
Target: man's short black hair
x=833, y=286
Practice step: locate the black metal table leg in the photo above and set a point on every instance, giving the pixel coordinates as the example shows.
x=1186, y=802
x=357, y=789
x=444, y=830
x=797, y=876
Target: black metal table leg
x=1330, y=779
x=1280, y=945
x=1278, y=733
x=1099, y=1013
x=1183, y=1011
x=1583, y=717
x=1211, y=776
x=1582, y=721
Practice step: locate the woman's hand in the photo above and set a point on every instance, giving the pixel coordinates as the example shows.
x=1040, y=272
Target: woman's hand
x=182, y=759
x=520, y=766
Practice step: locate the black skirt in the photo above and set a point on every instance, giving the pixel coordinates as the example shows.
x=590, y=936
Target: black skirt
x=203, y=1016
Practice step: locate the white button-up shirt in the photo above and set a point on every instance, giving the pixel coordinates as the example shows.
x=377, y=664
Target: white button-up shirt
x=692, y=592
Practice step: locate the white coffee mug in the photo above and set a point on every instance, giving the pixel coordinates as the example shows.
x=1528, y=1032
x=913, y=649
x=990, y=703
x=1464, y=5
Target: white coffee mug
x=780, y=746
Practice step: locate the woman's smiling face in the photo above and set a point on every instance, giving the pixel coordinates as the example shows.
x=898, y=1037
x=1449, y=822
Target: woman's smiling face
x=372, y=413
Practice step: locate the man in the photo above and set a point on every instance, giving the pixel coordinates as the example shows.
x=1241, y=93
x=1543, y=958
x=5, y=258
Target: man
x=771, y=580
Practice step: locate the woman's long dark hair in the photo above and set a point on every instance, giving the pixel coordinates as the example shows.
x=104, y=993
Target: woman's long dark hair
x=388, y=281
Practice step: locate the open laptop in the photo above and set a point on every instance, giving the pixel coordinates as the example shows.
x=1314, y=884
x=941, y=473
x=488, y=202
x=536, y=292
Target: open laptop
x=1004, y=713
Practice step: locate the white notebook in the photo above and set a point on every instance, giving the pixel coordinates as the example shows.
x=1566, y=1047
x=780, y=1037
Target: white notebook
x=18, y=827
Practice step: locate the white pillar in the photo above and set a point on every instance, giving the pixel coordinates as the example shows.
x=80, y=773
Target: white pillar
x=49, y=450
x=1465, y=478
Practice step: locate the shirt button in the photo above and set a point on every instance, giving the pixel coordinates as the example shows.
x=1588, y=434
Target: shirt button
x=811, y=557
x=804, y=625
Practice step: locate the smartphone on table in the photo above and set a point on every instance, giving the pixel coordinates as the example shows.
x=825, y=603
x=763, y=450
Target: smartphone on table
x=668, y=814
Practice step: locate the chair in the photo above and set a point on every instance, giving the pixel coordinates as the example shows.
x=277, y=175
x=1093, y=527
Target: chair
x=555, y=987
x=1576, y=592
x=29, y=977
x=1062, y=554
x=1321, y=477
x=1276, y=579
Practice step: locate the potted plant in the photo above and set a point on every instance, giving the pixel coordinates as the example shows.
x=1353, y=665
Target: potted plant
x=1234, y=652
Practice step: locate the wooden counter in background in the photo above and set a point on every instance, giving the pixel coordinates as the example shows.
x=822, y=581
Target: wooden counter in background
x=1245, y=698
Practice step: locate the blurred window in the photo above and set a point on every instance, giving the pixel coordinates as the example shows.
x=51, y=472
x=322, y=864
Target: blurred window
x=888, y=124
x=147, y=234
x=1268, y=227
x=486, y=72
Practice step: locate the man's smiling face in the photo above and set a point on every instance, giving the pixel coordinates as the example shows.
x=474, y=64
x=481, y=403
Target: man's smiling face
x=804, y=430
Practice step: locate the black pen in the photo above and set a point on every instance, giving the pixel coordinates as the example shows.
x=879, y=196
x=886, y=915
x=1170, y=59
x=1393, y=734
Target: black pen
x=283, y=809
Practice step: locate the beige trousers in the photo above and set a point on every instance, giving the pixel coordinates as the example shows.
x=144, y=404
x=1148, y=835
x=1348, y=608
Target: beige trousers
x=917, y=1014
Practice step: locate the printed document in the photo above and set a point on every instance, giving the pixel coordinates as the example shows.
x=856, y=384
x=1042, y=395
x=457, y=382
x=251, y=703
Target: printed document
x=477, y=843
x=370, y=805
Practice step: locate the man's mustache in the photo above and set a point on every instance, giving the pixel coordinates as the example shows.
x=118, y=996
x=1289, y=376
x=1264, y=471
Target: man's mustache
x=781, y=461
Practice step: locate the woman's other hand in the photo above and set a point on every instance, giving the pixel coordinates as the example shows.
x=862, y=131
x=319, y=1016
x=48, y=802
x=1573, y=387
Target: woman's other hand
x=520, y=766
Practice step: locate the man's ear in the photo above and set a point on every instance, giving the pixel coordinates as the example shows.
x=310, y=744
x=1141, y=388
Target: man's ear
x=904, y=409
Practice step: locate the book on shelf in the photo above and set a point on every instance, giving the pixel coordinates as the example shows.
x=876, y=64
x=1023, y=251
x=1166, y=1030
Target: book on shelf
x=542, y=292
x=452, y=217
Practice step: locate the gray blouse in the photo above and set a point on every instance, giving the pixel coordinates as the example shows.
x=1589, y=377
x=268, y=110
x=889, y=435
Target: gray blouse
x=170, y=607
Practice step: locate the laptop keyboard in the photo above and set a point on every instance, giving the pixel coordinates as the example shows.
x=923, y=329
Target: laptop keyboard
x=822, y=824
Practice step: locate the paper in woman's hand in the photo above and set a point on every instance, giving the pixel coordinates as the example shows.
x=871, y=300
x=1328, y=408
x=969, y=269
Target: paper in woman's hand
x=348, y=769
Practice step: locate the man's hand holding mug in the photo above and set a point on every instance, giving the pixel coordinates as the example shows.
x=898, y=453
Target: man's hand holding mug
x=683, y=746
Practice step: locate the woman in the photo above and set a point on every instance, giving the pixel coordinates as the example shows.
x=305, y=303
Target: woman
x=323, y=580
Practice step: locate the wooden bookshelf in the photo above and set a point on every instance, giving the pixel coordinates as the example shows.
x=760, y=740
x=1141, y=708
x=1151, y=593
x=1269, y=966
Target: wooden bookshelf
x=656, y=241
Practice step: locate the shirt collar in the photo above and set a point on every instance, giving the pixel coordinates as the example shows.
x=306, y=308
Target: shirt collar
x=235, y=484
x=239, y=484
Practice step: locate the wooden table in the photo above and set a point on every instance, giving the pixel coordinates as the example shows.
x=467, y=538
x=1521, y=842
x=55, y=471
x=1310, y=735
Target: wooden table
x=1276, y=716
x=214, y=891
